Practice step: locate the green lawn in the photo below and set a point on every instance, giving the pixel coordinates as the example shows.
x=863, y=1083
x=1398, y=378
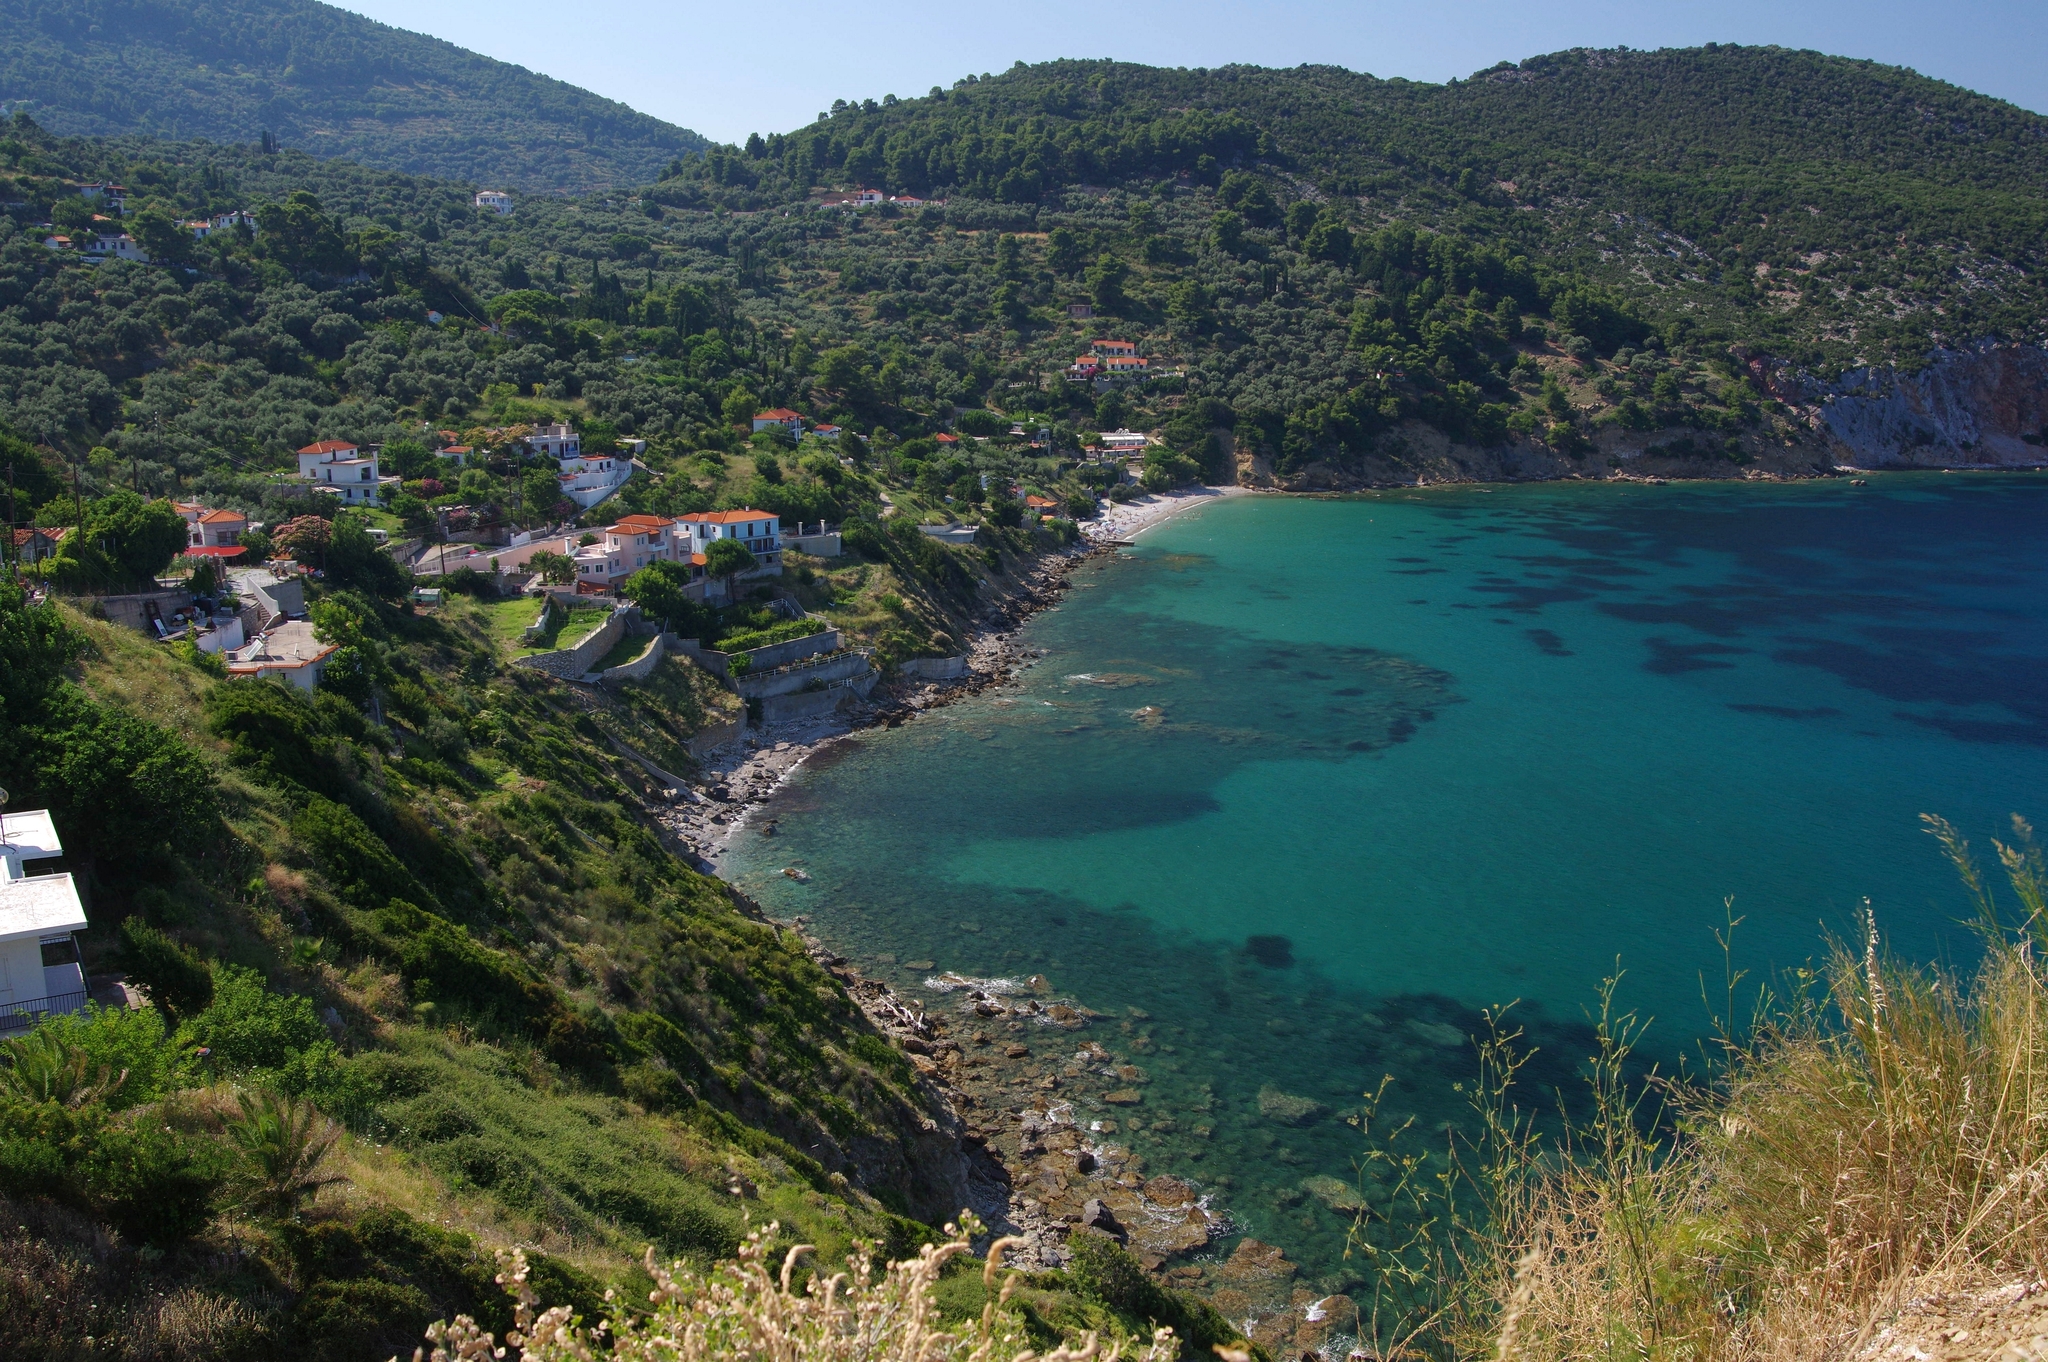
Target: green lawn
x=507, y=620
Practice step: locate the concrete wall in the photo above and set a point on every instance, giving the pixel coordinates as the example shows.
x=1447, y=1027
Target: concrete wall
x=710, y=661
x=570, y=664
x=639, y=667
x=782, y=654
x=808, y=704
x=837, y=667
x=131, y=612
x=823, y=545
x=717, y=735
x=933, y=668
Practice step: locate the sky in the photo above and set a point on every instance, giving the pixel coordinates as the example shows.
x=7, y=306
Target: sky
x=727, y=69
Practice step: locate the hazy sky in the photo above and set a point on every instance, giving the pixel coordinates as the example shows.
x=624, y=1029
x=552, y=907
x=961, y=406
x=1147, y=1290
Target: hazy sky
x=728, y=69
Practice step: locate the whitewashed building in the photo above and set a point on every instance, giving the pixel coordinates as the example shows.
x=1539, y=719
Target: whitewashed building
x=39, y=913
x=347, y=471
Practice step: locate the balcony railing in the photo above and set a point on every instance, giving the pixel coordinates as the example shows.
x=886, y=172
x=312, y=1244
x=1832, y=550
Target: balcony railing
x=21, y=1014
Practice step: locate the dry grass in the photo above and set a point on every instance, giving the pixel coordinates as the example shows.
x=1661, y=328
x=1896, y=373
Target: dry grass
x=1881, y=1136
x=745, y=1310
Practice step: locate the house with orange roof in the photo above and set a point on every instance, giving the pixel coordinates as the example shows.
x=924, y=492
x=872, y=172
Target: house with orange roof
x=212, y=529
x=793, y=422
x=632, y=544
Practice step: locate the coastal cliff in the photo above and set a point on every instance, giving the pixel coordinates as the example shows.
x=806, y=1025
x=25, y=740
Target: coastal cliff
x=1984, y=405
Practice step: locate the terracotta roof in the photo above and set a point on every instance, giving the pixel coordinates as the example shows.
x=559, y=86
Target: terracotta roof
x=776, y=414
x=53, y=533
x=327, y=447
x=640, y=524
x=220, y=517
x=1040, y=501
x=946, y=439
x=729, y=517
x=698, y=560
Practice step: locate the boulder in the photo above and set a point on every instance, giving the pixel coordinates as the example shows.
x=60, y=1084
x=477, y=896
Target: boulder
x=1098, y=1217
x=1124, y=1097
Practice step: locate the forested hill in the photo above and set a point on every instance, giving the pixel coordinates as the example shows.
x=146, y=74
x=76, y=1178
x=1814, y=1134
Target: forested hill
x=320, y=79
x=1821, y=206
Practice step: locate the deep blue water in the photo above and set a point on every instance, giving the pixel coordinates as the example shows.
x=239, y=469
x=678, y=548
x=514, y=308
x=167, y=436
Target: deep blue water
x=1452, y=748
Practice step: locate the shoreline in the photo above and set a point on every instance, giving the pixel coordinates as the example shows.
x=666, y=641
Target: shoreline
x=737, y=779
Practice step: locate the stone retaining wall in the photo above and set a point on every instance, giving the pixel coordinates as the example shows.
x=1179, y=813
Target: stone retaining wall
x=570, y=664
x=933, y=668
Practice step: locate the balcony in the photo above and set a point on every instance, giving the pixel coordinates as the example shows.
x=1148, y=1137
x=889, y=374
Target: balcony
x=25, y=1013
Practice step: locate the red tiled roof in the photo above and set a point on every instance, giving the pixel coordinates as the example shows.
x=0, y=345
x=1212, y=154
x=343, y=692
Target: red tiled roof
x=946, y=439
x=52, y=533
x=215, y=551
x=327, y=447
x=641, y=524
x=728, y=517
x=221, y=517
x=776, y=414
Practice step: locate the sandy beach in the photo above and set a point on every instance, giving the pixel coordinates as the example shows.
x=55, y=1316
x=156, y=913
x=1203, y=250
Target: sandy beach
x=1133, y=518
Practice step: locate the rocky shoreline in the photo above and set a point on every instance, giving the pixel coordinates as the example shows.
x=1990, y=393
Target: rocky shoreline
x=735, y=780
x=1041, y=1089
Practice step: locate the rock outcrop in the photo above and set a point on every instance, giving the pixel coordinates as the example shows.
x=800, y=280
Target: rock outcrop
x=1985, y=405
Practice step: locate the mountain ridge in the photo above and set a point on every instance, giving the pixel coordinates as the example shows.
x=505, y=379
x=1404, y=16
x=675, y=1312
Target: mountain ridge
x=322, y=79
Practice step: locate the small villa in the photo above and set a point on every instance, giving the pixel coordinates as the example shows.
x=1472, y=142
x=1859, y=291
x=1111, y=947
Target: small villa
x=494, y=201
x=347, y=471
x=40, y=912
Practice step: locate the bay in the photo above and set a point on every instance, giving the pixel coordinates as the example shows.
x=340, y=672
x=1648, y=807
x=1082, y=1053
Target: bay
x=1302, y=786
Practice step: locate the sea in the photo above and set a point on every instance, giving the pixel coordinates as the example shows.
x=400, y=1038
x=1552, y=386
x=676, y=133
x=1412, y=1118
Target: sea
x=1306, y=794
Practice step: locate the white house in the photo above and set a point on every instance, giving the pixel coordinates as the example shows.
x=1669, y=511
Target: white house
x=1121, y=439
x=347, y=471
x=288, y=649
x=39, y=912
x=555, y=442
x=494, y=201
x=790, y=421
x=115, y=246
x=108, y=195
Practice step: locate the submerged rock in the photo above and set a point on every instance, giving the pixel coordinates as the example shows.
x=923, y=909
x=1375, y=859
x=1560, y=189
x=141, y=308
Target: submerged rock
x=1336, y=1194
x=1287, y=1109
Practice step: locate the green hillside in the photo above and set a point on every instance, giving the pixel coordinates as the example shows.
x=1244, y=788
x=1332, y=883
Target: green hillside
x=1813, y=204
x=321, y=79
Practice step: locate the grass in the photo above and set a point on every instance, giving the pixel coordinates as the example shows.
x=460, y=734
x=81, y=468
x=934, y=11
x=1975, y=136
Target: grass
x=1879, y=1135
x=628, y=649
x=505, y=622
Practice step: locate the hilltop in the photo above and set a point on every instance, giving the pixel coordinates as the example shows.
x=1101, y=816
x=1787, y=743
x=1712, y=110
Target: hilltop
x=323, y=80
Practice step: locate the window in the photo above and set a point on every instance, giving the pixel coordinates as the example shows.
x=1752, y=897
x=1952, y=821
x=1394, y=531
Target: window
x=63, y=951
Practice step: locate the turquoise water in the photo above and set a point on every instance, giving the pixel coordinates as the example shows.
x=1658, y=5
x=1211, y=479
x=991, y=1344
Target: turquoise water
x=1311, y=781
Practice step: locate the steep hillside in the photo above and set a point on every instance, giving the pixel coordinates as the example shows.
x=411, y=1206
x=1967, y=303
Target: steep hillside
x=321, y=79
x=1827, y=208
